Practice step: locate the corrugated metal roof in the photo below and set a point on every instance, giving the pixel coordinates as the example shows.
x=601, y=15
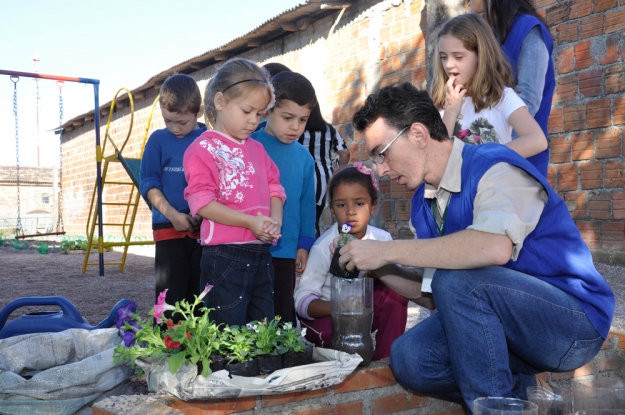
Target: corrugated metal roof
x=267, y=32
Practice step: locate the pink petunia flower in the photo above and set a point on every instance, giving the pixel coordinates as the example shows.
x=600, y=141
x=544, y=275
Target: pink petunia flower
x=206, y=290
x=161, y=306
x=463, y=133
x=477, y=138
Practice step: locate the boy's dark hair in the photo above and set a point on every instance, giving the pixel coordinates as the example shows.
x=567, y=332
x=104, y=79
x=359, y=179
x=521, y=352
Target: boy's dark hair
x=350, y=174
x=401, y=105
x=275, y=68
x=294, y=87
x=180, y=94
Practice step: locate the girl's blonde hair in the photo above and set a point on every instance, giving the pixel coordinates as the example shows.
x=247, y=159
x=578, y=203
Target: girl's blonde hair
x=493, y=71
x=236, y=79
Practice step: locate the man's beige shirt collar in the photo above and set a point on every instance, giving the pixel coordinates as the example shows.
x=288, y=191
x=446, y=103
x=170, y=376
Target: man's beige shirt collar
x=452, y=177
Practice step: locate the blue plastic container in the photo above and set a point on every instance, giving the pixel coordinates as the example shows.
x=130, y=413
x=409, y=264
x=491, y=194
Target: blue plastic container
x=50, y=321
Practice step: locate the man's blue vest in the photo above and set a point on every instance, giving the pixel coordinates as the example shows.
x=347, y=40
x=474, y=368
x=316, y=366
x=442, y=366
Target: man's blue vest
x=554, y=252
x=521, y=26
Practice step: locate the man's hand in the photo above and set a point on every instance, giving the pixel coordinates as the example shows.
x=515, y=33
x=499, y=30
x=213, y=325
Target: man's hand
x=362, y=255
x=183, y=222
x=300, y=260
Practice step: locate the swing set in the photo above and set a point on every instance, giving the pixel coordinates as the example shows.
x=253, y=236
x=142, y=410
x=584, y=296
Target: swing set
x=15, y=77
x=130, y=165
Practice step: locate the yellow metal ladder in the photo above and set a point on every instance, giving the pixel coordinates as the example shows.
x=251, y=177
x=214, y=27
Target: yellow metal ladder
x=130, y=183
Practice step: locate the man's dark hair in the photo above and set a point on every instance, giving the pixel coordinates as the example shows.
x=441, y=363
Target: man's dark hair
x=180, y=94
x=294, y=87
x=274, y=68
x=401, y=105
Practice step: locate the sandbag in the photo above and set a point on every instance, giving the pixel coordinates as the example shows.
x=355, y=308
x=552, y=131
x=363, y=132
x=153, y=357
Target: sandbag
x=58, y=373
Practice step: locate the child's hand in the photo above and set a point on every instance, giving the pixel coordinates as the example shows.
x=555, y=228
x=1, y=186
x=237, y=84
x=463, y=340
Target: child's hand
x=300, y=260
x=273, y=228
x=335, y=242
x=197, y=219
x=183, y=222
x=455, y=94
x=259, y=225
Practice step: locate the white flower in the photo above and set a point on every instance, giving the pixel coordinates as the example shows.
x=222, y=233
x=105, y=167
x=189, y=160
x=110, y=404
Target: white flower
x=304, y=332
x=346, y=228
x=288, y=325
x=278, y=332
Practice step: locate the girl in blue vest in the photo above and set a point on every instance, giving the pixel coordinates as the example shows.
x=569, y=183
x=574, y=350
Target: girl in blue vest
x=473, y=89
x=526, y=41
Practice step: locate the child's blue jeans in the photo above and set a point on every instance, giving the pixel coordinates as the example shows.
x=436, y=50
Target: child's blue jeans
x=494, y=330
x=242, y=277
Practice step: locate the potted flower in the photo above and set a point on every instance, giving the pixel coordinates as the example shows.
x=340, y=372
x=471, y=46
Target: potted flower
x=267, y=335
x=291, y=345
x=335, y=268
x=192, y=340
x=239, y=342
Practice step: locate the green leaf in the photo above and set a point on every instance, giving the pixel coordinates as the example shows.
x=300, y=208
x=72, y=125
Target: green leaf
x=206, y=369
x=175, y=361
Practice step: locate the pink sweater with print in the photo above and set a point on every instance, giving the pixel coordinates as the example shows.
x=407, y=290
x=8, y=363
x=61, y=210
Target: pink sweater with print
x=239, y=175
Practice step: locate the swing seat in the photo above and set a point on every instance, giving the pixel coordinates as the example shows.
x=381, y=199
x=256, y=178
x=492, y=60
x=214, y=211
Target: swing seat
x=37, y=235
x=132, y=167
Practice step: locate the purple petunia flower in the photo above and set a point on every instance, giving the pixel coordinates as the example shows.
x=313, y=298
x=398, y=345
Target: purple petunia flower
x=124, y=314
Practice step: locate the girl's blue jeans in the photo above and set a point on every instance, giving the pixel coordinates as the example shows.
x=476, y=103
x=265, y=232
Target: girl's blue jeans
x=494, y=330
x=242, y=277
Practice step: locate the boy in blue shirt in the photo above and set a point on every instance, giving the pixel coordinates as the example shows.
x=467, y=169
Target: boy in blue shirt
x=176, y=232
x=295, y=98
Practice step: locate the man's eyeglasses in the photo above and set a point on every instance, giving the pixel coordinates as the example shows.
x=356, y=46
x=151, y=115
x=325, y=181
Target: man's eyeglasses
x=379, y=158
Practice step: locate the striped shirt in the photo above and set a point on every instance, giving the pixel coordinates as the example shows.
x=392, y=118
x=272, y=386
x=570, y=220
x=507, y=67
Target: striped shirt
x=324, y=151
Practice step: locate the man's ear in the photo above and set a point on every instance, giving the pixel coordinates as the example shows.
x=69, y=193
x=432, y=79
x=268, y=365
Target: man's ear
x=419, y=134
x=220, y=101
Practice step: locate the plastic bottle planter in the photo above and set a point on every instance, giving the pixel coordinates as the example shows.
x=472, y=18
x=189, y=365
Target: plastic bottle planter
x=352, y=316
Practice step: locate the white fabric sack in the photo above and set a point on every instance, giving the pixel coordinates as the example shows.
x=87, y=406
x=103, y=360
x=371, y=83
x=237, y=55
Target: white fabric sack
x=69, y=369
x=332, y=367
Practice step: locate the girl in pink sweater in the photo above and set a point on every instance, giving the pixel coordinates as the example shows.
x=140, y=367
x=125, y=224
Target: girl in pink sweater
x=235, y=187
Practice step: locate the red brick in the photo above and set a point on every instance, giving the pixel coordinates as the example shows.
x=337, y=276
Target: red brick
x=603, y=5
x=397, y=29
x=587, y=369
x=418, y=41
x=385, y=210
x=612, y=235
x=567, y=32
x=615, y=21
x=567, y=178
x=608, y=143
x=214, y=407
x=580, y=8
x=591, y=174
x=556, y=120
x=615, y=174
x=615, y=78
x=544, y=3
x=621, y=337
x=599, y=206
x=557, y=14
x=599, y=113
x=576, y=203
x=551, y=176
x=367, y=378
x=560, y=149
x=393, y=48
x=591, y=26
x=583, y=59
x=619, y=110
x=567, y=87
x=566, y=60
x=351, y=408
x=416, y=6
x=398, y=402
x=271, y=400
x=590, y=233
x=575, y=117
x=385, y=34
x=415, y=58
x=611, y=49
x=590, y=82
x=582, y=145
x=618, y=205
x=398, y=191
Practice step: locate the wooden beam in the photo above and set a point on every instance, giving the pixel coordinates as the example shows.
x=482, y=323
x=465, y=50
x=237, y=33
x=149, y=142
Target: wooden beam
x=139, y=94
x=105, y=111
x=303, y=23
x=334, y=5
x=255, y=43
x=221, y=57
x=78, y=123
x=197, y=65
x=88, y=117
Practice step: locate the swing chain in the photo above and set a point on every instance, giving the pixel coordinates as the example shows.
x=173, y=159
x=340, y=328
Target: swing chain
x=18, y=226
x=59, y=222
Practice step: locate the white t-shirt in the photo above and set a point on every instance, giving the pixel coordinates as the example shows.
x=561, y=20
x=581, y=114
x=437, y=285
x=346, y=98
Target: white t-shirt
x=490, y=124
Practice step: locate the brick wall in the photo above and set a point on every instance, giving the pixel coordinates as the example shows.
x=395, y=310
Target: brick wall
x=371, y=44
x=587, y=155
